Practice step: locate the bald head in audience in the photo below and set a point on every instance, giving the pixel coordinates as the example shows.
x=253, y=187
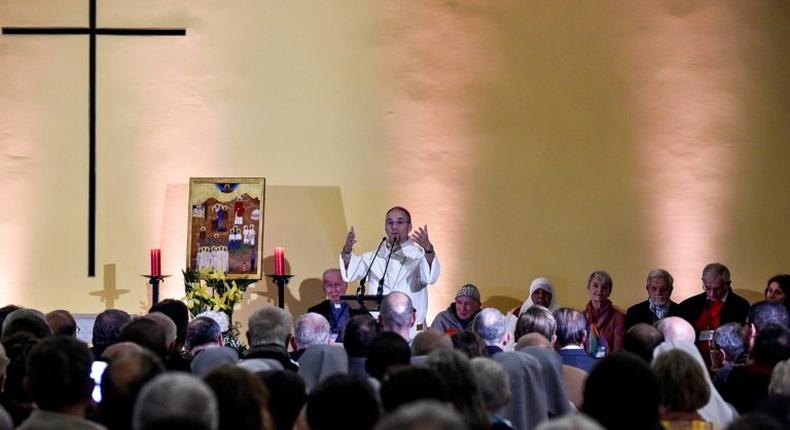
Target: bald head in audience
x=676, y=328
x=641, y=340
x=397, y=314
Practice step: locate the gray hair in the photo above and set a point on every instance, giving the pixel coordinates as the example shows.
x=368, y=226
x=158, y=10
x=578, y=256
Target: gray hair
x=493, y=381
x=536, y=319
x=311, y=328
x=603, y=276
x=729, y=338
x=421, y=415
x=780, y=379
x=397, y=311
x=173, y=396
x=25, y=319
x=269, y=324
x=661, y=274
x=489, y=324
x=571, y=326
x=717, y=269
x=167, y=325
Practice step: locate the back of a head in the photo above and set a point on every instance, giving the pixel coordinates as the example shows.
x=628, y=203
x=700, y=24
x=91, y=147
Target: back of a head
x=5, y=310
x=146, y=333
x=61, y=322
x=455, y=371
x=682, y=385
x=310, y=329
x=493, y=381
x=397, y=312
x=621, y=393
x=676, y=329
x=335, y=394
x=780, y=379
x=28, y=320
x=571, y=422
x=202, y=331
x=729, y=338
x=289, y=399
x=771, y=345
x=359, y=332
x=409, y=384
x=386, y=350
x=241, y=396
x=122, y=381
x=175, y=397
x=536, y=319
x=17, y=348
x=167, y=325
x=58, y=373
x=490, y=325
x=178, y=313
x=429, y=340
x=321, y=361
x=469, y=343
x=269, y=325
x=106, y=329
x=571, y=326
x=641, y=339
x=765, y=312
x=423, y=415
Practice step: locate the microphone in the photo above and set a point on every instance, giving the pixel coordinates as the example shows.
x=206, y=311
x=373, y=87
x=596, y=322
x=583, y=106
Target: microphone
x=380, y=290
x=361, y=287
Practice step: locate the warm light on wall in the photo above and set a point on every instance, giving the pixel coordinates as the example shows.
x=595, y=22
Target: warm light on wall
x=682, y=89
x=434, y=147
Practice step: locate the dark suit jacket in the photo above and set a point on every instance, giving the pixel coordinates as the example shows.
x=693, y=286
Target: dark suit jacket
x=640, y=313
x=578, y=358
x=735, y=309
x=325, y=308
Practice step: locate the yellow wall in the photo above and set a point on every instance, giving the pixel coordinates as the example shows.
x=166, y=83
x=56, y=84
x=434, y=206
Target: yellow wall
x=535, y=138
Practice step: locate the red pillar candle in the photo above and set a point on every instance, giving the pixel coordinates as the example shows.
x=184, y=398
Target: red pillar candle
x=156, y=262
x=279, y=261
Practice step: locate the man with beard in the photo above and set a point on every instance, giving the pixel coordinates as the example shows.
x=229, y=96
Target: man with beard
x=658, y=304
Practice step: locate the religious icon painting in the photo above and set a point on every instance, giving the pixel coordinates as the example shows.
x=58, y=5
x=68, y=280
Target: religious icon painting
x=220, y=209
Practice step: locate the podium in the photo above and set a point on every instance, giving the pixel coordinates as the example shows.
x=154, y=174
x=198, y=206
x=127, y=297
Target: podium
x=360, y=303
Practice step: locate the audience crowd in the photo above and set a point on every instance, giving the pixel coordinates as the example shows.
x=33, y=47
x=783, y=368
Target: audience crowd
x=712, y=361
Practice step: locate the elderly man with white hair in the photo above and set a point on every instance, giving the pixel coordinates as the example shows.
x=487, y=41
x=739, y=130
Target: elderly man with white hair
x=490, y=325
x=310, y=329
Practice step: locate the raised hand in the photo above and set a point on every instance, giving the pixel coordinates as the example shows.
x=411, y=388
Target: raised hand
x=351, y=239
x=420, y=236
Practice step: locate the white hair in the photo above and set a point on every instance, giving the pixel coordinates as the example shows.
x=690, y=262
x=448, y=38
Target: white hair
x=174, y=396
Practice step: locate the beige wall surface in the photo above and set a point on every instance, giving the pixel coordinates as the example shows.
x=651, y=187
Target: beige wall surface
x=534, y=138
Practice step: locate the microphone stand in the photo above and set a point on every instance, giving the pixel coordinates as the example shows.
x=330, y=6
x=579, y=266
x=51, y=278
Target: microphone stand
x=380, y=290
x=361, y=287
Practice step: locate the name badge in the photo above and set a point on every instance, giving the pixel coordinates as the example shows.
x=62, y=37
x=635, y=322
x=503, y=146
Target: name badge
x=706, y=335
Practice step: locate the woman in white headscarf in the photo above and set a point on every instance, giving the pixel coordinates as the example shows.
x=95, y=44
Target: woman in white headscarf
x=541, y=292
x=716, y=410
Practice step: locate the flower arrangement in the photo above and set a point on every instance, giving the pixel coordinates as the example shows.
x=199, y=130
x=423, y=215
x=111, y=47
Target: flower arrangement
x=210, y=293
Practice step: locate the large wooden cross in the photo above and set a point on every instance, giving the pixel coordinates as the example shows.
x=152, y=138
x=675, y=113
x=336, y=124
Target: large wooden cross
x=92, y=31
